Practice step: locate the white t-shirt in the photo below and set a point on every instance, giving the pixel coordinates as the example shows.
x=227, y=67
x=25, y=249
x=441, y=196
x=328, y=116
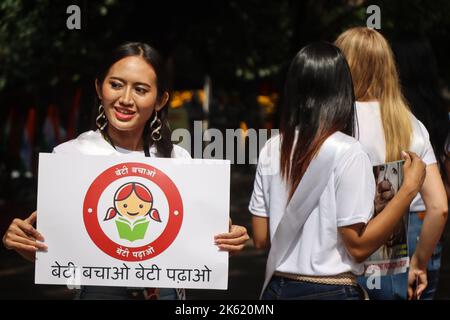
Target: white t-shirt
x=347, y=199
x=93, y=143
x=371, y=136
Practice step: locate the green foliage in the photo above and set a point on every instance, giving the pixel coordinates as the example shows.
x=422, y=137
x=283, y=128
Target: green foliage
x=233, y=40
x=36, y=48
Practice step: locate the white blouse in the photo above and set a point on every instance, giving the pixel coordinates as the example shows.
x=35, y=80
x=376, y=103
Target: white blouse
x=347, y=199
x=93, y=143
x=371, y=136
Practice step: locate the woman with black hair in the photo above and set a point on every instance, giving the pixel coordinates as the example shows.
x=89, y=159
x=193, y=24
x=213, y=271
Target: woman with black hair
x=418, y=73
x=314, y=187
x=132, y=119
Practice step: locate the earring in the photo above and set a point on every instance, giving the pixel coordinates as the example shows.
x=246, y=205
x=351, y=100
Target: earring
x=101, y=121
x=155, y=127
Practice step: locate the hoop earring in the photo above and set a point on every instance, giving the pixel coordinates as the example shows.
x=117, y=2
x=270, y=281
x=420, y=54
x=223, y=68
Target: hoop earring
x=155, y=127
x=101, y=121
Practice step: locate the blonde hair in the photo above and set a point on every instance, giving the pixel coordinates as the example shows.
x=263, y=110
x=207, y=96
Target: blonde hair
x=375, y=77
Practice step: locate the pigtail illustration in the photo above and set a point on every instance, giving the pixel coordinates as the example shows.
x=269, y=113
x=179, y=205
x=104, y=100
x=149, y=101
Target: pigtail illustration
x=133, y=202
x=154, y=214
x=110, y=214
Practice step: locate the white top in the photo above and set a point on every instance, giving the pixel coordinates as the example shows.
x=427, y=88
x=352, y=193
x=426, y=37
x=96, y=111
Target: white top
x=347, y=199
x=371, y=136
x=93, y=143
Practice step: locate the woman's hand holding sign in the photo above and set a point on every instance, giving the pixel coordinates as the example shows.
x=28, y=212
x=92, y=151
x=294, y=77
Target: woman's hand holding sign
x=234, y=240
x=22, y=237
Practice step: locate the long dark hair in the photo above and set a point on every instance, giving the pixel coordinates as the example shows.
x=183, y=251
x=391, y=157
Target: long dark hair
x=164, y=146
x=319, y=100
x=419, y=79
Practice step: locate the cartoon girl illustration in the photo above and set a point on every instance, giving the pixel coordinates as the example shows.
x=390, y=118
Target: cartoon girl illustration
x=132, y=203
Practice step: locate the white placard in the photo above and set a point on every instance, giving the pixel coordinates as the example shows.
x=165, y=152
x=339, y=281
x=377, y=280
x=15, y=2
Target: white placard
x=132, y=222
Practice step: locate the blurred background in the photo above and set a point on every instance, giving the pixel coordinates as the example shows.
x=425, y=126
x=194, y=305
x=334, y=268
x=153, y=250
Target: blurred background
x=233, y=53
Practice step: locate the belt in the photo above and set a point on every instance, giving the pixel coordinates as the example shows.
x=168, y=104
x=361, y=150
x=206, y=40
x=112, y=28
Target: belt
x=345, y=279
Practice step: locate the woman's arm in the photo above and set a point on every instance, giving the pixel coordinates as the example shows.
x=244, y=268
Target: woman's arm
x=362, y=240
x=435, y=199
x=447, y=183
x=21, y=237
x=261, y=236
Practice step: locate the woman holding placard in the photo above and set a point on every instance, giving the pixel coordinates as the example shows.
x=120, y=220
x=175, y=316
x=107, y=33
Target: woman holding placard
x=132, y=87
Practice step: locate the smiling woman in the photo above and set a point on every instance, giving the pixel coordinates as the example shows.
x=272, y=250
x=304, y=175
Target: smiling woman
x=133, y=91
x=132, y=118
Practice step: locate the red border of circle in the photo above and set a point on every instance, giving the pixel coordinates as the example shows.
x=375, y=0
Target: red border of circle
x=110, y=247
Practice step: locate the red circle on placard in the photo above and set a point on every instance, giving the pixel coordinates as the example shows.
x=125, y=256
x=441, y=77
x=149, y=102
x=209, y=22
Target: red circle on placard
x=152, y=249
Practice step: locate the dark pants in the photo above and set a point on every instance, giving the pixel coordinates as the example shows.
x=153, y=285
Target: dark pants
x=285, y=289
